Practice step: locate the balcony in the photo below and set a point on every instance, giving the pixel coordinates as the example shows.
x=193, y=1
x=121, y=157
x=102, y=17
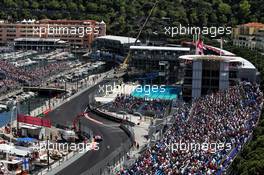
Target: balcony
x=162, y=73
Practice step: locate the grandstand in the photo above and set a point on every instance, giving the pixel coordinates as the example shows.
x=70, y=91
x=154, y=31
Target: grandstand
x=13, y=77
x=203, y=74
x=219, y=124
x=111, y=48
x=155, y=108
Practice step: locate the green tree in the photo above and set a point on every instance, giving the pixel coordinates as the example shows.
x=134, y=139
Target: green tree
x=10, y=3
x=72, y=6
x=35, y=5
x=53, y=4
x=245, y=7
x=224, y=8
x=91, y=7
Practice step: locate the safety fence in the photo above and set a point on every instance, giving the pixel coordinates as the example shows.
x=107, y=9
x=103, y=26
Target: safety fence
x=104, y=167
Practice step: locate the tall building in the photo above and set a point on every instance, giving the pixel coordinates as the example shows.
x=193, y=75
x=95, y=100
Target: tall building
x=260, y=39
x=161, y=60
x=113, y=44
x=205, y=74
x=40, y=44
x=78, y=33
x=250, y=35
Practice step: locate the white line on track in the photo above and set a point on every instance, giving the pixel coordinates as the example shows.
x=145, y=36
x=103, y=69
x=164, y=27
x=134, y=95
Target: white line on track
x=98, y=122
x=89, y=118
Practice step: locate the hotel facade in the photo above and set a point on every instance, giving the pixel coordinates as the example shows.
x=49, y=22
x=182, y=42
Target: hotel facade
x=78, y=33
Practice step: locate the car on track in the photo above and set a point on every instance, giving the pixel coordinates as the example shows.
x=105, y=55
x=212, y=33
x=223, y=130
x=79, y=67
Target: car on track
x=98, y=138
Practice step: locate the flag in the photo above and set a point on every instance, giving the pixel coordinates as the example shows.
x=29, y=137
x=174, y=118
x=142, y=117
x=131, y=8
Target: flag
x=199, y=47
x=44, y=113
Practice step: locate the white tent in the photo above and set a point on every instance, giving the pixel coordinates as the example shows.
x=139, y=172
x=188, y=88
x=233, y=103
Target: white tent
x=18, y=150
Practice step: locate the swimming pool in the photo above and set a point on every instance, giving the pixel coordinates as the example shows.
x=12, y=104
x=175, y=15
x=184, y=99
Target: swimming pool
x=157, y=92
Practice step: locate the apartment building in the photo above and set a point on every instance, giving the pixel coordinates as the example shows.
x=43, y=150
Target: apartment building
x=250, y=35
x=78, y=33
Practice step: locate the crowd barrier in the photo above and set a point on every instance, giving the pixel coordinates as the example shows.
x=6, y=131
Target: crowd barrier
x=110, y=117
x=104, y=167
x=236, y=151
x=114, y=158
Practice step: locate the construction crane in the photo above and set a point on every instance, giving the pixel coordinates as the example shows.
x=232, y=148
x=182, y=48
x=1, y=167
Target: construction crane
x=124, y=65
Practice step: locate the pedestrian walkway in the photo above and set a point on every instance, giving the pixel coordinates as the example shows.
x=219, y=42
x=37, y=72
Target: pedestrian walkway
x=141, y=131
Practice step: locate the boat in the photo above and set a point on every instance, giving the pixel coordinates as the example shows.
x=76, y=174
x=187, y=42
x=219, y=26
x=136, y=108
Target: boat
x=11, y=166
x=3, y=107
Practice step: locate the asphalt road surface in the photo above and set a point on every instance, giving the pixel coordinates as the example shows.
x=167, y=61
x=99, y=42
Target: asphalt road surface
x=112, y=135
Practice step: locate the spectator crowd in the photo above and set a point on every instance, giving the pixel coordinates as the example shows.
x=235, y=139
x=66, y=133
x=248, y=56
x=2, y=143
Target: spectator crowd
x=132, y=104
x=13, y=77
x=224, y=117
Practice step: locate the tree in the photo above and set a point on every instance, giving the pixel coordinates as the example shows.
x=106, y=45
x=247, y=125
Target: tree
x=35, y=5
x=91, y=7
x=10, y=3
x=54, y=4
x=245, y=7
x=72, y=6
x=224, y=8
x=193, y=17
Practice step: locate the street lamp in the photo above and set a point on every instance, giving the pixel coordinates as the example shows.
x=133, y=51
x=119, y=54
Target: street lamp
x=47, y=142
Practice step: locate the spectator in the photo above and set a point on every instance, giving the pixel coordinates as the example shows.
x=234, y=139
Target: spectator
x=16, y=77
x=227, y=116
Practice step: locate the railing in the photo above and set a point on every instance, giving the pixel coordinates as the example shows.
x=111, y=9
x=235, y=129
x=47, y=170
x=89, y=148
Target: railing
x=227, y=169
x=72, y=156
x=111, y=117
x=56, y=164
x=104, y=166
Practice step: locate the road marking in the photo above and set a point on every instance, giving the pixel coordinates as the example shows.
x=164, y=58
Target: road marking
x=113, y=126
x=89, y=118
